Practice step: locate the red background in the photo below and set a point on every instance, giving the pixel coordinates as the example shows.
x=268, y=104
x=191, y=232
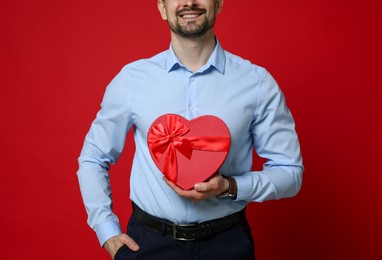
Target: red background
x=58, y=56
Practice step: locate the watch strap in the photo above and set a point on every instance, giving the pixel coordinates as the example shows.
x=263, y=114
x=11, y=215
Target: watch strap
x=232, y=189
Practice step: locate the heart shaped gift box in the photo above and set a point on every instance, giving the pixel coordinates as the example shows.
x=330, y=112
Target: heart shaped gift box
x=188, y=152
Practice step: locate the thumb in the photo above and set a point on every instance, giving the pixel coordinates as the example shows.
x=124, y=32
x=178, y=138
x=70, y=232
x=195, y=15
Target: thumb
x=129, y=242
x=200, y=187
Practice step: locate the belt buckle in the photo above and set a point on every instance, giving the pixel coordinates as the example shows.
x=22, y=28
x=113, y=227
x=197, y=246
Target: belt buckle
x=175, y=232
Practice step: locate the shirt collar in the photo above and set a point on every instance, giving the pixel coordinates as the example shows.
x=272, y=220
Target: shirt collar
x=216, y=60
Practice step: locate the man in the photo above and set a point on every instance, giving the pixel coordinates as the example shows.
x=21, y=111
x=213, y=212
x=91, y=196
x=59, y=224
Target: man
x=194, y=77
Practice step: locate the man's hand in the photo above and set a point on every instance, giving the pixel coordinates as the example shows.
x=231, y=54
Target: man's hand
x=114, y=243
x=214, y=186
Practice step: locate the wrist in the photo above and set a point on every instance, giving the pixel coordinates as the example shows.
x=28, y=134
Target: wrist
x=230, y=189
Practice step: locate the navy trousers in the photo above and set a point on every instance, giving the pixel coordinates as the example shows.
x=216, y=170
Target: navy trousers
x=235, y=243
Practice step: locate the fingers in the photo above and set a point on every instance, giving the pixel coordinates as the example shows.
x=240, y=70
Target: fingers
x=190, y=194
x=201, y=191
x=173, y=186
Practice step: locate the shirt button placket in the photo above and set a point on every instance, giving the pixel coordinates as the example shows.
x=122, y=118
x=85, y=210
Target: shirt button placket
x=191, y=96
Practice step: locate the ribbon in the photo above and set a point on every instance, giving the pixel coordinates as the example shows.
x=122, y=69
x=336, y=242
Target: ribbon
x=163, y=142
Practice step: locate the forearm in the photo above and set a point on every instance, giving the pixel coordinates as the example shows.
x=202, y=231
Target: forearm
x=271, y=183
x=96, y=193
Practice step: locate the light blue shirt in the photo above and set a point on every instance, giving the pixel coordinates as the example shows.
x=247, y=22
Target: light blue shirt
x=243, y=95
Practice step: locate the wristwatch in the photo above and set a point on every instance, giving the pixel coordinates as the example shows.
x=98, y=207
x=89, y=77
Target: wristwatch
x=232, y=189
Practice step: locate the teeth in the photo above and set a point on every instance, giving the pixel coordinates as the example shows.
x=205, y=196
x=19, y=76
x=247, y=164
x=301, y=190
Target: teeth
x=190, y=15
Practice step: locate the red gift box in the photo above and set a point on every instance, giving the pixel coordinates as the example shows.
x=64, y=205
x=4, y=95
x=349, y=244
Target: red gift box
x=188, y=152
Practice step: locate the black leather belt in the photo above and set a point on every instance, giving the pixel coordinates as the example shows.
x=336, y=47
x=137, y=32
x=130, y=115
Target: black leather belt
x=188, y=232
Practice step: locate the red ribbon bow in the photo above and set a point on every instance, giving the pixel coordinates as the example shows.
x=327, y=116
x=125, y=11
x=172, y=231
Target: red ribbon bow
x=164, y=141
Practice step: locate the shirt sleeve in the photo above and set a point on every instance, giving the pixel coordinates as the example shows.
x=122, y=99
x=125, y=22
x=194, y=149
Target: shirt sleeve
x=275, y=139
x=102, y=146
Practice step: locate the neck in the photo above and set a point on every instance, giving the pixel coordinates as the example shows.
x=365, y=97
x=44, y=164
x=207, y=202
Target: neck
x=193, y=53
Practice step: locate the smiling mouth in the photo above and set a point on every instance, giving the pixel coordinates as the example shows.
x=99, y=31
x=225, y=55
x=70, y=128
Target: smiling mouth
x=190, y=14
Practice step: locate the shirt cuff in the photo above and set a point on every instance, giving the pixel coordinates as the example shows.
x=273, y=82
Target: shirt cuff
x=107, y=230
x=244, y=187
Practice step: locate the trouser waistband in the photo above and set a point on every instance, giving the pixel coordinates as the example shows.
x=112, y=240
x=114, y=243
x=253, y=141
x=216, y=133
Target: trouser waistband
x=188, y=232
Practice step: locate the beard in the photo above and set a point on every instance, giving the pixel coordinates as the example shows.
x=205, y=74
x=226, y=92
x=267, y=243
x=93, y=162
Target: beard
x=191, y=29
